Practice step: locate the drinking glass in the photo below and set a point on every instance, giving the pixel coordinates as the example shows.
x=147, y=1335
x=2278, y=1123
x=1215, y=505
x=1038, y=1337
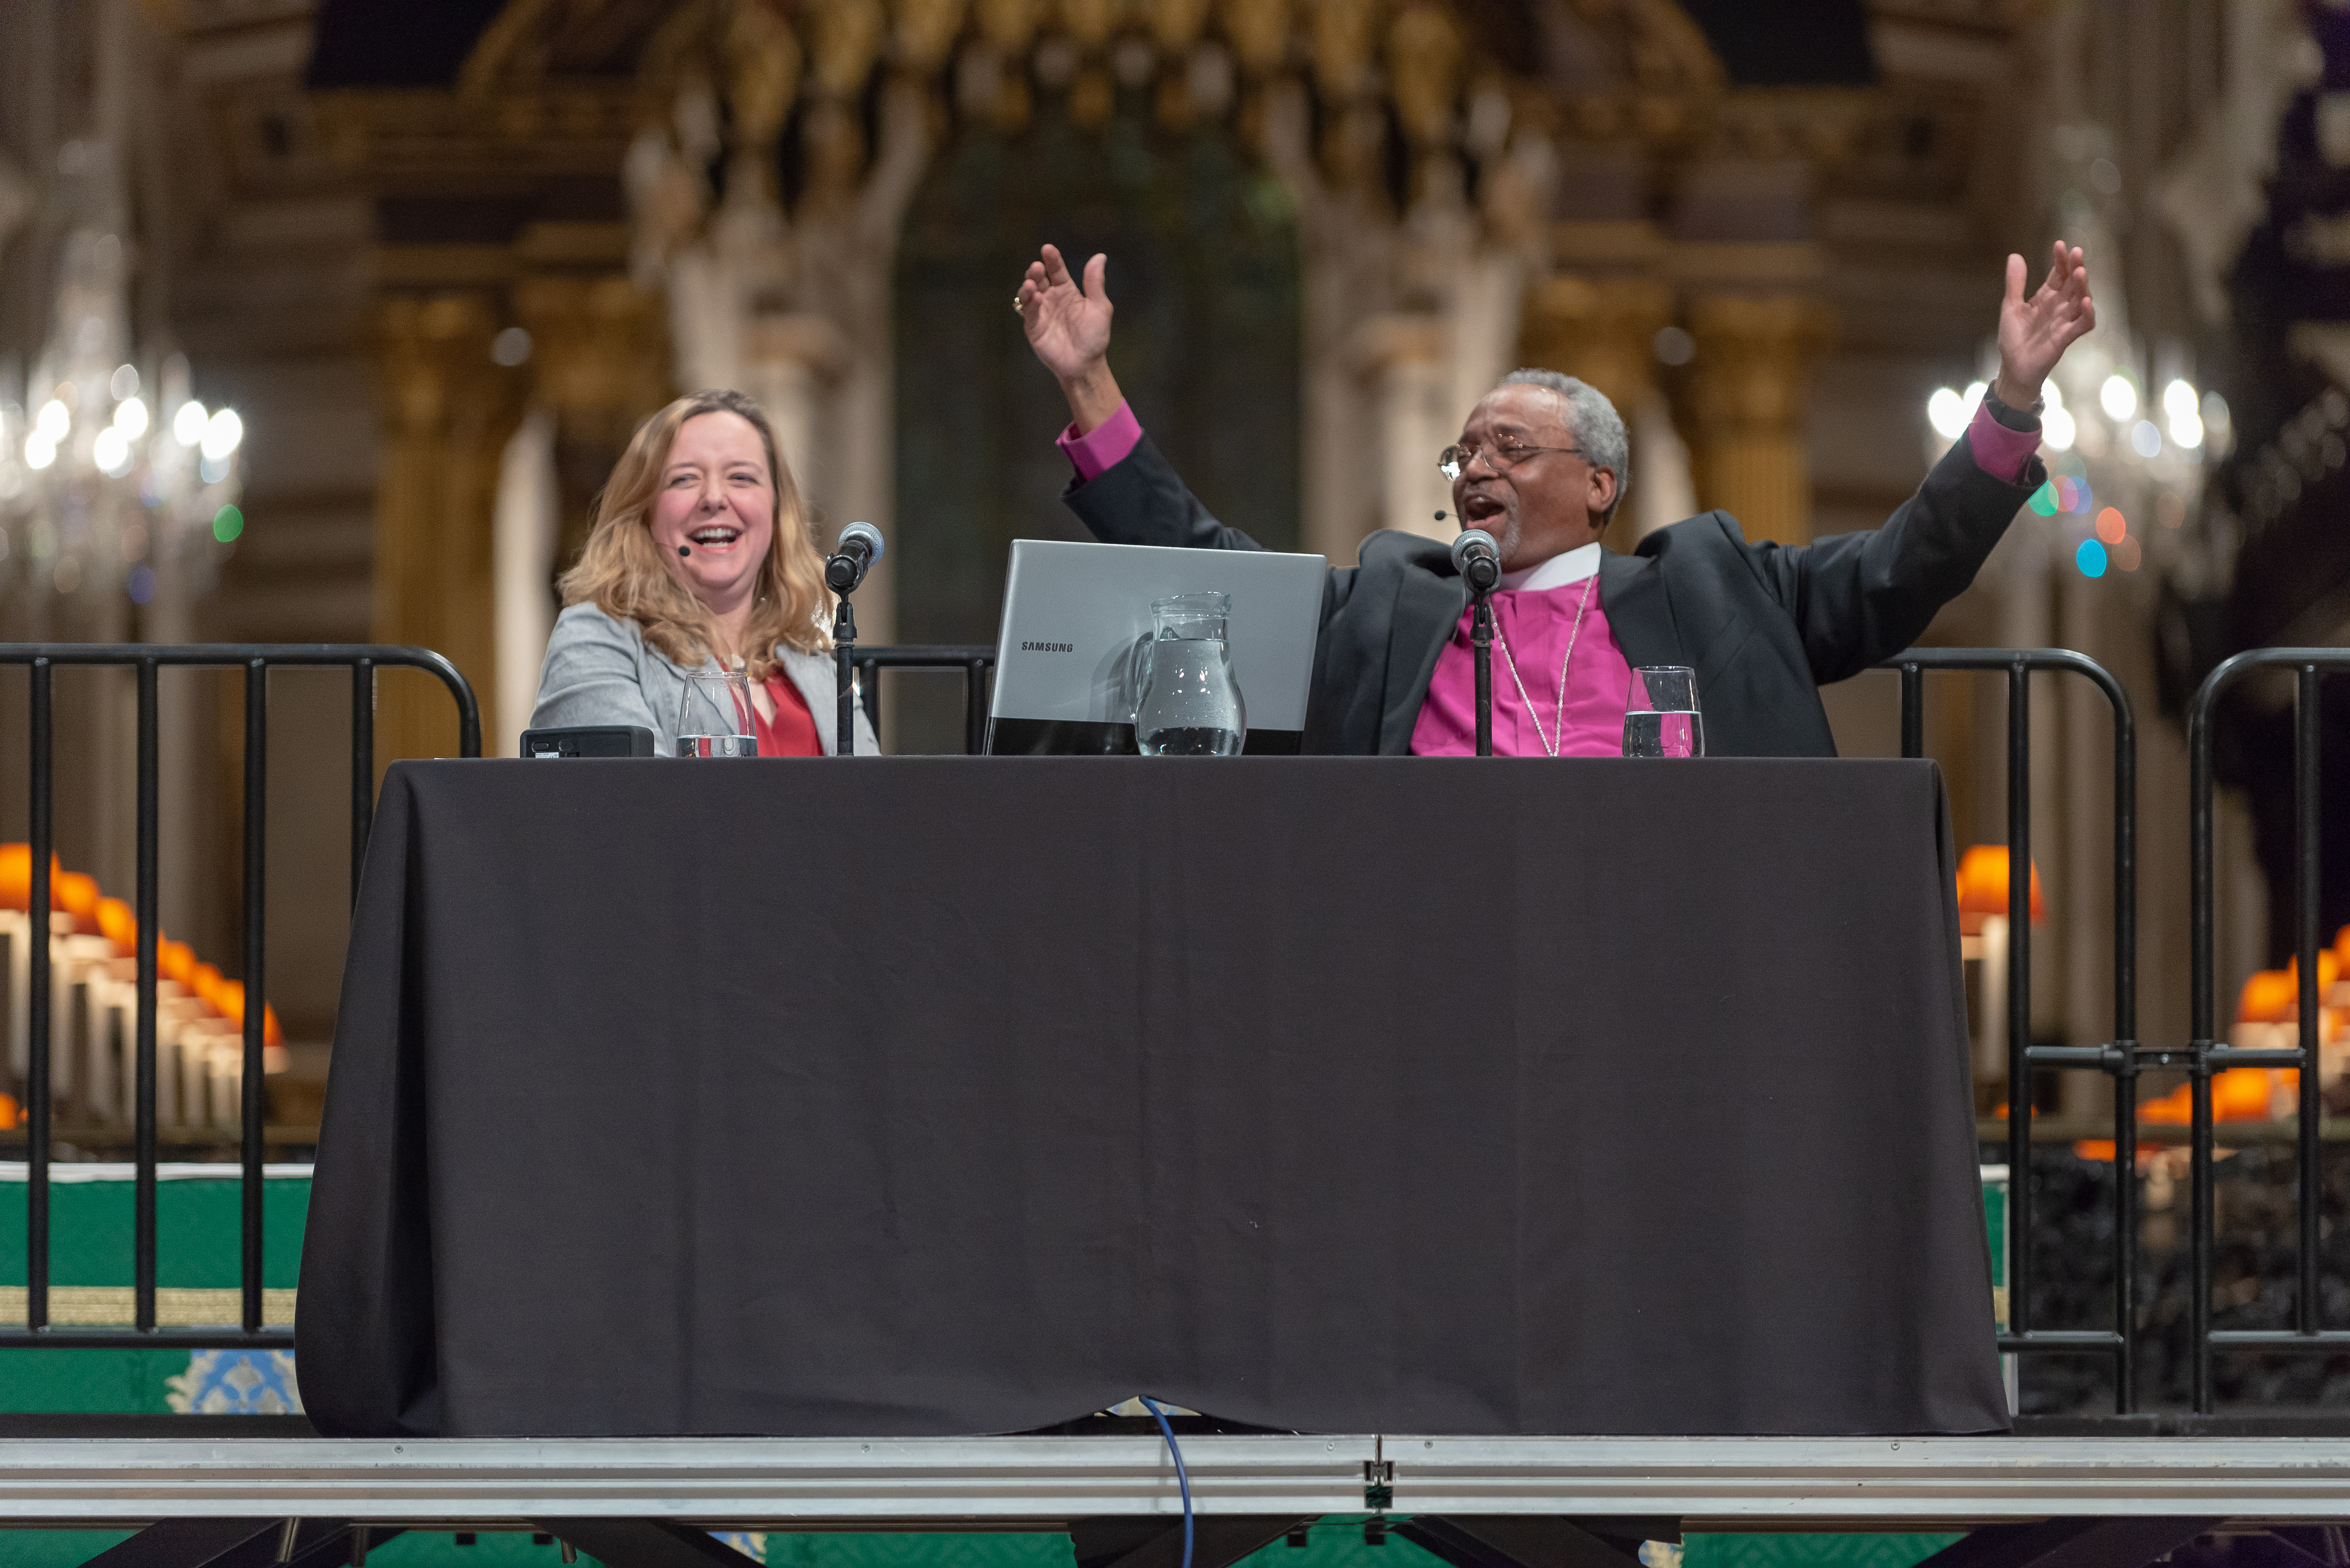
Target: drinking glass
x=1191, y=705
x=714, y=717
x=1661, y=718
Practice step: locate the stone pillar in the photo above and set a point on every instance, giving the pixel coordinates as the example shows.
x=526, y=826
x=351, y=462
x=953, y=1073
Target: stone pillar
x=860, y=475
x=828, y=393
x=447, y=411
x=1602, y=331
x=1402, y=358
x=599, y=360
x=525, y=536
x=600, y=350
x=1750, y=392
x=790, y=362
x=597, y=367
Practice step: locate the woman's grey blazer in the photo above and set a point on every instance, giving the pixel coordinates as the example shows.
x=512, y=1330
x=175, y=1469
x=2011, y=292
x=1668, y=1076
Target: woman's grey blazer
x=599, y=671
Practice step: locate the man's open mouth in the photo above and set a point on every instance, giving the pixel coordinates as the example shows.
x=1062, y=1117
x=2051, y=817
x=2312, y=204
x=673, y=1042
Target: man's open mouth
x=1479, y=507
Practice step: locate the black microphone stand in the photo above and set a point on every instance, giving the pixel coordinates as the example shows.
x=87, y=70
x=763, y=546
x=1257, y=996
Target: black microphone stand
x=1480, y=640
x=844, y=651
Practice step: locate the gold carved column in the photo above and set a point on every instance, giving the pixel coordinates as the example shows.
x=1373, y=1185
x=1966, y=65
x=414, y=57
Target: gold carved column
x=1601, y=330
x=1750, y=392
x=599, y=360
x=447, y=411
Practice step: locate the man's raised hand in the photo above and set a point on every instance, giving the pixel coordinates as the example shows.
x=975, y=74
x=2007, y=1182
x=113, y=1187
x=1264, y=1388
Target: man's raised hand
x=1069, y=328
x=2035, y=333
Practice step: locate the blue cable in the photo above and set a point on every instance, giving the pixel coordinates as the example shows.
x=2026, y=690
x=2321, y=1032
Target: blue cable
x=1181, y=1479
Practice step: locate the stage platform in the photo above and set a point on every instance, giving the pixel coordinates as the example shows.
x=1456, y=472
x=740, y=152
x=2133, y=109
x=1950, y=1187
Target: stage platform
x=1028, y=1482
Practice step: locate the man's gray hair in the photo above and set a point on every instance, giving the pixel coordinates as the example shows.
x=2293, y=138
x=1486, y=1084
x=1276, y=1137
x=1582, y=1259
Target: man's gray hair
x=1591, y=419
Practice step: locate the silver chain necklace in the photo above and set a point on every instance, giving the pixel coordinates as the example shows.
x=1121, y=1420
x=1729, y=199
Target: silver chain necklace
x=1558, y=717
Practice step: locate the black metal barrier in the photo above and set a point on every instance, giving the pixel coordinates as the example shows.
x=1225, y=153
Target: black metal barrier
x=256, y=658
x=974, y=659
x=2122, y=1059
x=2207, y=1053
x=2123, y=1056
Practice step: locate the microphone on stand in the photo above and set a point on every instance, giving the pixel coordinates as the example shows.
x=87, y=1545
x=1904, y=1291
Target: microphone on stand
x=860, y=545
x=1478, y=559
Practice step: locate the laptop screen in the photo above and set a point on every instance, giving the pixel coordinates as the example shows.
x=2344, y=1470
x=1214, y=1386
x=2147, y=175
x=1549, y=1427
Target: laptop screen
x=1076, y=628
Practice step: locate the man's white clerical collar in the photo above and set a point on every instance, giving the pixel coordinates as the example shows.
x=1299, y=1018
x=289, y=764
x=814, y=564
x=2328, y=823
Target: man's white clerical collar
x=1558, y=572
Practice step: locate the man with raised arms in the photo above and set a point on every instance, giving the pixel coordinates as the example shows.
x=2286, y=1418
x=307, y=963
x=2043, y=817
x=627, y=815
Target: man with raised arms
x=1541, y=464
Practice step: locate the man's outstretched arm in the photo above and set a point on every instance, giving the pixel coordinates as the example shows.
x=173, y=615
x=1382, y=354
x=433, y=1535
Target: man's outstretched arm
x=1123, y=489
x=1858, y=598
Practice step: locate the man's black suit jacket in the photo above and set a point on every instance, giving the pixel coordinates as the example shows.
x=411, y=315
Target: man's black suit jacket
x=1764, y=626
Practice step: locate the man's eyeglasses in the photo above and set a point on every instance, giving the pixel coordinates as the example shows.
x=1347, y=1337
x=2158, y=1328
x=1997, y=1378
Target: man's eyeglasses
x=1504, y=454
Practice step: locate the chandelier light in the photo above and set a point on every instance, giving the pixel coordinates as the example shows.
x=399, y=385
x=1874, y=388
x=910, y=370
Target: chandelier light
x=112, y=477
x=2112, y=468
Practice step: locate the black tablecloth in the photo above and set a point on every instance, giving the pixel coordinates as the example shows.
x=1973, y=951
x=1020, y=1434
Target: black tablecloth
x=956, y=1096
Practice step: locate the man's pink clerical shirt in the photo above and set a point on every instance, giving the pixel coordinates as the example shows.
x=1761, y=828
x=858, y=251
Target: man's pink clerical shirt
x=1535, y=610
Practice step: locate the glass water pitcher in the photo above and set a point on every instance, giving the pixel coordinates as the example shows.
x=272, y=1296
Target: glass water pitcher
x=1191, y=705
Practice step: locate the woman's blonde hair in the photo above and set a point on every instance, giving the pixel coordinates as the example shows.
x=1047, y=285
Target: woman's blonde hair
x=621, y=572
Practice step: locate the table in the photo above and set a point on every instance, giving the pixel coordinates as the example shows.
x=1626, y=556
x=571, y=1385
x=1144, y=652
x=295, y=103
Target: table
x=954, y=1096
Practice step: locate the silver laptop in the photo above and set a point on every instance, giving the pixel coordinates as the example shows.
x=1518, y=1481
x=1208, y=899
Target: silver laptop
x=1076, y=622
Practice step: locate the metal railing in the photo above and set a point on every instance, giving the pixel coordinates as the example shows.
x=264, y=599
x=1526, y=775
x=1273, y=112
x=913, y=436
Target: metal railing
x=2122, y=1058
x=257, y=660
x=974, y=659
x=2207, y=1054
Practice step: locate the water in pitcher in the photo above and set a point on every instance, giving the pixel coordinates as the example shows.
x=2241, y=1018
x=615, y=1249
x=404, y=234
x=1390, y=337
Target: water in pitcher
x=1194, y=740
x=1191, y=705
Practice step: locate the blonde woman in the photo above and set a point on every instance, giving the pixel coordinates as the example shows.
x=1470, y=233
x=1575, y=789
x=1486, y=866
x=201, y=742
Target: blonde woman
x=700, y=557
